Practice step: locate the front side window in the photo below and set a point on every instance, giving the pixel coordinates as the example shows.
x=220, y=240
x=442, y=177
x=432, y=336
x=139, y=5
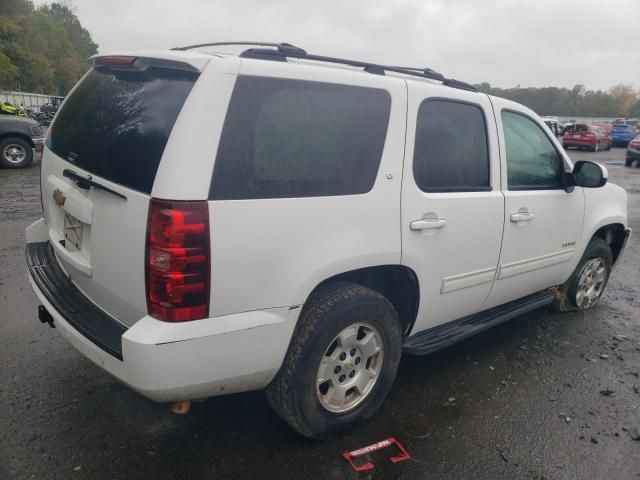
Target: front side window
x=533, y=163
x=287, y=138
x=451, y=152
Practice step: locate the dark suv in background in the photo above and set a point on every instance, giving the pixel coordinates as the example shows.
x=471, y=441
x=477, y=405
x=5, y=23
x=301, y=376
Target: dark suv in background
x=18, y=137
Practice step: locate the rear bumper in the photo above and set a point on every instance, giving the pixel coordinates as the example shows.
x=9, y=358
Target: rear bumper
x=173, y=361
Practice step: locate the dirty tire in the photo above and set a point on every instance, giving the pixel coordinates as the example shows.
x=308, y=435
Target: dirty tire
x=22, y=145
x=566, y=294
x=331, y=309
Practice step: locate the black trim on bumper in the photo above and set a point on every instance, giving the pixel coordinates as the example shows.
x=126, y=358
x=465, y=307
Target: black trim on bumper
x=70, y=303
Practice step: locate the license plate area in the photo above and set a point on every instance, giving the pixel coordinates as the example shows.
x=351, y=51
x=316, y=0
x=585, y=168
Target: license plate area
x=72, y=233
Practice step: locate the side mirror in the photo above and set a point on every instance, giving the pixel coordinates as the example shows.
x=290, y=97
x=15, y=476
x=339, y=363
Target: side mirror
x=589, y=174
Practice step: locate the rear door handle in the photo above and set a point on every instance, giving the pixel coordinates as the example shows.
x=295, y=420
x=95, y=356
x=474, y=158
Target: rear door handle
x=428, y=223
x=522, y=217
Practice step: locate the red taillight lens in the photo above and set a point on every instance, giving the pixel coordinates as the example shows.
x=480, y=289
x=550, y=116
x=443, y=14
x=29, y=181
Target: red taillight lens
x=178, y=260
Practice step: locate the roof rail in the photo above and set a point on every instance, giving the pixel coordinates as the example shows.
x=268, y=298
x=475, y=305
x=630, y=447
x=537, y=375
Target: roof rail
x=281, y=51
x=284, y=47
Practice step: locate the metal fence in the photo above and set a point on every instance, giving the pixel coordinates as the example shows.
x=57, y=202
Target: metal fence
x=29, y=100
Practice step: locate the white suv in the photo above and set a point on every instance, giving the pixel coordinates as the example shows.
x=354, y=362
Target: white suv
x=218, y=223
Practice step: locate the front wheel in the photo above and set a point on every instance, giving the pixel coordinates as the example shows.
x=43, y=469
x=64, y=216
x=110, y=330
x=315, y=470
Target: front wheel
x=588, y=281
x=341, y=363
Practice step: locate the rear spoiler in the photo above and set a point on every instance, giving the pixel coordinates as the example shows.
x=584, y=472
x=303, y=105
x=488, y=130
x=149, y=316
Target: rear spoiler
x=138, y=64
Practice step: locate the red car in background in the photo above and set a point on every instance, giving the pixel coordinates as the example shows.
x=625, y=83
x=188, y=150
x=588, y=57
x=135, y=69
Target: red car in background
x=607, y=127
x=582, y=135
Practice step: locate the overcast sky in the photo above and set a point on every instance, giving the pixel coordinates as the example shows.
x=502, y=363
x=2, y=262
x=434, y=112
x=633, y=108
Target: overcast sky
x=504, y=42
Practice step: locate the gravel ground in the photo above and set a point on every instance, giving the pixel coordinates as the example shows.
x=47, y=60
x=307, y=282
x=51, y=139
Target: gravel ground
x=547, y=395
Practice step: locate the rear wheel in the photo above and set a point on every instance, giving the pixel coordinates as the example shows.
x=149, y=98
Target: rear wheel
x=588, y=281
x=341, y=363
x=15, y=152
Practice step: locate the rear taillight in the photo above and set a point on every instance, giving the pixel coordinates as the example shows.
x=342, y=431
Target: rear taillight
x=178, y=260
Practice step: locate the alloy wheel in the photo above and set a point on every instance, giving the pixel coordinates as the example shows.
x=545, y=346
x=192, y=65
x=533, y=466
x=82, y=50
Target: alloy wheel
x=350, y=368
x=591, y=282
x=14, y=153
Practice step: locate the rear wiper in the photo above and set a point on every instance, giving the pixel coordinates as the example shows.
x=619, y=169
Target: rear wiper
x=87, y=182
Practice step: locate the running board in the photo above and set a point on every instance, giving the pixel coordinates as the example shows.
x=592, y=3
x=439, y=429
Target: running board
x=436, y=338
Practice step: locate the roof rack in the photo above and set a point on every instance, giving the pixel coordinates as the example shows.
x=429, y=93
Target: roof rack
x=281, y=51
x=283, y=46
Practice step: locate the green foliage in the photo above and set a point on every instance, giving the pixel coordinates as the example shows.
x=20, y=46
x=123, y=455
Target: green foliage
x=619, y=101
x=43, y=49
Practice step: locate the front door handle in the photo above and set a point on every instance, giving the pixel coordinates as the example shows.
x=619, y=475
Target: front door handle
x=522, y=216
x=425, y=224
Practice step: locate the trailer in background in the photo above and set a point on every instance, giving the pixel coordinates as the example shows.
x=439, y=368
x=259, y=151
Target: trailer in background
x=33, y=101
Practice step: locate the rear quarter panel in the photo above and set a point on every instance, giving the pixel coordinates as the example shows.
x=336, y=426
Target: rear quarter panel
x=273, y=252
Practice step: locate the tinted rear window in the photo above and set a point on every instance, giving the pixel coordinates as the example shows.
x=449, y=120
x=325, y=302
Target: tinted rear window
x=621, y=127
x=116, y=126
x=291, y=138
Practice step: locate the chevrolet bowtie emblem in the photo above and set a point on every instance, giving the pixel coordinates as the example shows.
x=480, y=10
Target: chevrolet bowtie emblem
x=58, y=197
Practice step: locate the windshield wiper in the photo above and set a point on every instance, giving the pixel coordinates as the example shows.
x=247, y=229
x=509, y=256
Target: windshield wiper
x=87, y=182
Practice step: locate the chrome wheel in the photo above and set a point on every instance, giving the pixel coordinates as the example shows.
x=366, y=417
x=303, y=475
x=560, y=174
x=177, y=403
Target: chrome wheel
x=350, y=368
x=591, y=282
x=14, y=153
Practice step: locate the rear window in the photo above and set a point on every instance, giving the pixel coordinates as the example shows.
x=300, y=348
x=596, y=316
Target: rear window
x=290, y=138
x=117, y=125
x=621, y=127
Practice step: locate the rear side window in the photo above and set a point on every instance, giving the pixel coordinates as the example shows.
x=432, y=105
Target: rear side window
x=451, y=152
x=116, y=125
x=291, y=138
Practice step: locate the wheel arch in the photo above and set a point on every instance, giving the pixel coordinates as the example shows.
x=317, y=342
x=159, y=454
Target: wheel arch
x=614, y=234
x=19, y=135
x=397, y=283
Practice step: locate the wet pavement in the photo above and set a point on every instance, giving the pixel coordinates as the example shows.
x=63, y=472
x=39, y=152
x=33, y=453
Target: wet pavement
x=553, y=396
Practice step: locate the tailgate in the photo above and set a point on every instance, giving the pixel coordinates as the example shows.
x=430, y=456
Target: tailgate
x=98, y=169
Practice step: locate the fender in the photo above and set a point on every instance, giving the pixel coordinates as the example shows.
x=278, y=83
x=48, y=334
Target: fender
x=603, y=206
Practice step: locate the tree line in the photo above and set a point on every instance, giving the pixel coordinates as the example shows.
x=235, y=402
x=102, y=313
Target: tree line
x=42, y=49
x=619, y=101
x=45, y=50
